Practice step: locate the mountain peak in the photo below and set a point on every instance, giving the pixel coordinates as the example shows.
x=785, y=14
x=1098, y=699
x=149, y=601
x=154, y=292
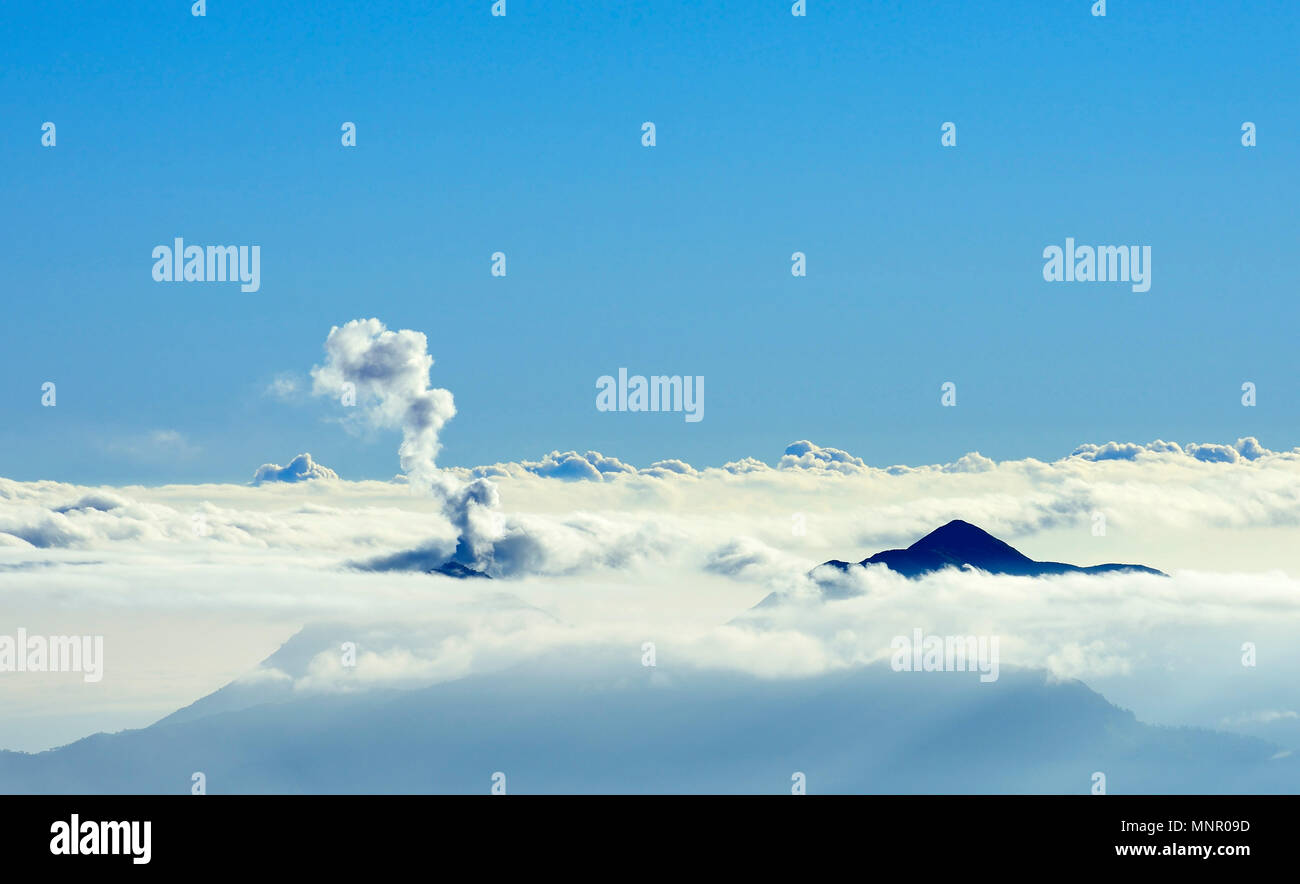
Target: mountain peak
x=959, y=544
x=958, y=535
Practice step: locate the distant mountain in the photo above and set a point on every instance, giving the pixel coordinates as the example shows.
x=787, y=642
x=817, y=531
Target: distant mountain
x=599, y=722
x=959, y=544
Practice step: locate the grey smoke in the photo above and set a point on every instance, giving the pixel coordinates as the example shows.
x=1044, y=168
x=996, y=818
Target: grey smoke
x=389, y=373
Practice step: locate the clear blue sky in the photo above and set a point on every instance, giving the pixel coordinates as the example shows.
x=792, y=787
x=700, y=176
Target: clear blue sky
x=775, y=134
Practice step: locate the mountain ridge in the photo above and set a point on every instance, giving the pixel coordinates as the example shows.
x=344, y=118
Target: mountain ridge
x=959, y=544
x=1024, y=733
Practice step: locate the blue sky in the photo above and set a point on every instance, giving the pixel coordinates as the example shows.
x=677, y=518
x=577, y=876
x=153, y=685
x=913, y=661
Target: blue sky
x=522, y=134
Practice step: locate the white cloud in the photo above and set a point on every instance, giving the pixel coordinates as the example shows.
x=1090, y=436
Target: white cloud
x=805, y=455
x=1247, y=448
x=302, y=468
x=568, y=465
x=284, y=386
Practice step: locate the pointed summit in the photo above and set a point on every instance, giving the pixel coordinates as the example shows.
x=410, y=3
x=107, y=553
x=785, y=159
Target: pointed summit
x=965, y=539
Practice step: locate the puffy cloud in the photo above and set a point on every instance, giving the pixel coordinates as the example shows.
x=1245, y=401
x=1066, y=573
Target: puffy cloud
x=1212, y=453
x=974, y=462
x=811, y=458
x=590, y=467
x=743, y=556
x=300, y=469
x=1247, y=448
x=1250, y=449
x=96, y=500
x=568, y=465
x=746, y=465
x=663, y=468
x=808, y=457
x=804, y=455
x=1109, y=451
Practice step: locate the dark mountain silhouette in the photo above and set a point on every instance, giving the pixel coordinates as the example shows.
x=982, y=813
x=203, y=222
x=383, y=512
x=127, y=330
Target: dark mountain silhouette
x=959, y=543
x=431, y=559
x=458, y=569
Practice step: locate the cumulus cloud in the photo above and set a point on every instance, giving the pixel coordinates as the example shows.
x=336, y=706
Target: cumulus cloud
x=1247, y=448
x=100, y=501
x=1250, y=449
x=679, y=467
x=809, y=457
x=300, y=469
x=804, y=455
x=745, y=465
x=568, y=465
x=593, y=466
